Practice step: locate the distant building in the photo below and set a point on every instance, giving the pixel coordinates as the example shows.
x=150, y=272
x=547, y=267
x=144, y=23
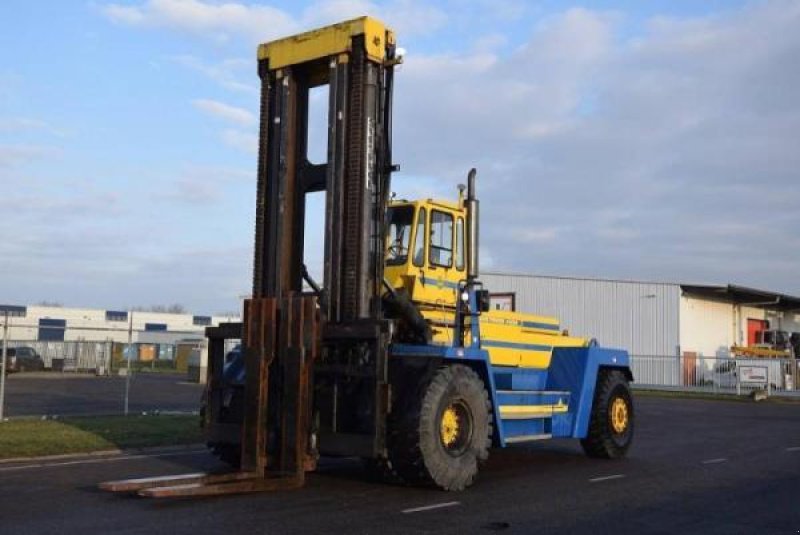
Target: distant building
x=57, y=324
x=650, y=318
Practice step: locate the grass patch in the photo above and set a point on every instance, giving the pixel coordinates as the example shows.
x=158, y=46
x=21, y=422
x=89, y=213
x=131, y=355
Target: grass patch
x=33, y=438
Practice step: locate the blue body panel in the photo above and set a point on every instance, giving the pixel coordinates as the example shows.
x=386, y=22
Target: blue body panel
x=509, y=378
x=475, y=357
x=570, y=380
x=575, y=370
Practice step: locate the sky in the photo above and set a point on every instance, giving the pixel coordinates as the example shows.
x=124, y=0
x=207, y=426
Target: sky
x=627, y=140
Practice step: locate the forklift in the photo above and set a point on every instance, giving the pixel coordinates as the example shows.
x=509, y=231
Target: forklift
x=395, y=356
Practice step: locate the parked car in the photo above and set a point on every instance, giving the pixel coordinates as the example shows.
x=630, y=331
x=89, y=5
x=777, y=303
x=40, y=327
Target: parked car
x=23, y=359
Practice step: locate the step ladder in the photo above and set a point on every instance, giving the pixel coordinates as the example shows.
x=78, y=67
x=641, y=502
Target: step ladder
x=526, y=410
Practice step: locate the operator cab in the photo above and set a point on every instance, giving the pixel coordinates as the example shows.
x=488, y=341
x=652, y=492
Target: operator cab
x=426, y=249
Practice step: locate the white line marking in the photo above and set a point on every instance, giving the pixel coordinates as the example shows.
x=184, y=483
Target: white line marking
x=714, y=461
x=105, y=460
x=606, y=478
x=429, y=507
x=793, y=448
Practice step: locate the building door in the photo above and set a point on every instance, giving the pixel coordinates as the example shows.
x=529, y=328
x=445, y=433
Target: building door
x=689, y=368
x=754, y=327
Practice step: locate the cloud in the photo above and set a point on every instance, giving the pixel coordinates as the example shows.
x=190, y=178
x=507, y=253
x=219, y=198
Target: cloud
x=226, y=112
x=191, y=192
x=605, y=146
x=17, y=154
x=225, y=72
x=199, y=186
x=240, y=140
x=219, y=20
x=92, y=245
x=647, y=154
x=257, y=23
x=16, y=125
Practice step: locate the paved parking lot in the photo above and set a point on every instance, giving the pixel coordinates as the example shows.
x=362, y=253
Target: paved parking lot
x=697, y=466
x=35, y=394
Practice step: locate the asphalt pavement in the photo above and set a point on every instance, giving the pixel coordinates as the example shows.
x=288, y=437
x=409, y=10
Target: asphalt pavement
x=697, y=466
x=68, y=394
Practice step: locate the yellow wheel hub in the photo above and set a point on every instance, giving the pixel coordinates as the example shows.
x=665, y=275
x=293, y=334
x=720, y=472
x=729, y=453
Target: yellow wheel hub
x=619, y=415
x=449, y=426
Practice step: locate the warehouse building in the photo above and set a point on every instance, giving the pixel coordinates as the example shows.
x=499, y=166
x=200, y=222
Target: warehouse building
x=61, y=324
x=650, y=318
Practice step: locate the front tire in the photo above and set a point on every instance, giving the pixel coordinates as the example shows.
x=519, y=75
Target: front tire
x=442, y=432
x=611, y=423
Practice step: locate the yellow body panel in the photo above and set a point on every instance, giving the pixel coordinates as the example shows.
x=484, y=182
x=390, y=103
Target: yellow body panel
x=525, y=340
x=523, y=412
x=511, y=338
x=328, y=41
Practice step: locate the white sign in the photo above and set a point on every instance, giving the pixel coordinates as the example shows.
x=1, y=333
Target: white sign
x=753, y=374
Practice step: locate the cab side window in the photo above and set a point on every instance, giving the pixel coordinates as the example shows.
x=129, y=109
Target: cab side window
x=419, y=240
x=460, y=244
x=440, y=252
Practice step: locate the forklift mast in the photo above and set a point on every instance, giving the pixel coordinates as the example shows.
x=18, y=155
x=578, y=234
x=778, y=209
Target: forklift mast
x=316, y=361
x=357, y=65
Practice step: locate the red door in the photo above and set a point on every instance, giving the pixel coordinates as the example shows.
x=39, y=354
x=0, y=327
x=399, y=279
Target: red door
x=689, y=368
x=753, y=328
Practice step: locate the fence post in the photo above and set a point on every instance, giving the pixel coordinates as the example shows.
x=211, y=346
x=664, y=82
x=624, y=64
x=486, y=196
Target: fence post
x=128, y=360
x=769, y=387
x=738, y=381
x=3, y=369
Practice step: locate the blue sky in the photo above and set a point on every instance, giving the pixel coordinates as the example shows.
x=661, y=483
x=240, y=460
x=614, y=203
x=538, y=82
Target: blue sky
x=645, y=140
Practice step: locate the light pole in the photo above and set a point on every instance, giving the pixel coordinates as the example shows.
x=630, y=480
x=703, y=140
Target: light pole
x=128, y=360
x=3, y=369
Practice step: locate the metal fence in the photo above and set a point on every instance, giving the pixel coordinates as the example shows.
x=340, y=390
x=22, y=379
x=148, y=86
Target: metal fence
x=82, y=378
x=716, y=374
x=75, y=356
x=107, y=357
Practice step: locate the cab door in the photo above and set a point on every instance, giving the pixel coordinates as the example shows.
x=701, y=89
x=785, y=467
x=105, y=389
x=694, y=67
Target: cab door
x=445, y=266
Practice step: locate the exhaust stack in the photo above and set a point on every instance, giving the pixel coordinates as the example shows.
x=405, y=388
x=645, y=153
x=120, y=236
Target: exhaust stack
x=472, y=227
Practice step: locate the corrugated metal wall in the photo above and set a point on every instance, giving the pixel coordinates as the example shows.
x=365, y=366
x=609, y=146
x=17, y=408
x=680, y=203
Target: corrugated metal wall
x=641, y=317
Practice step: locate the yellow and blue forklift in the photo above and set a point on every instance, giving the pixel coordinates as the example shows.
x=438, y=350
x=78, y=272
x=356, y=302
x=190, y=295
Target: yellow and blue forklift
x=395, y=357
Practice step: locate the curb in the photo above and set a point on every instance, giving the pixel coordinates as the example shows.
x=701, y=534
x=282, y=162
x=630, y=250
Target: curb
x=105, y=453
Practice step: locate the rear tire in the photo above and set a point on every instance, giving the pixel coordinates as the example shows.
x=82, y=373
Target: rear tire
x=441, y=433
x=611, y=423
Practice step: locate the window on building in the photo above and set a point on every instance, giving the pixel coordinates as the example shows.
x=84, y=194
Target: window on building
x=201, y=320
x=115, y=315
x=155, y=326
x=440, y=252
x=52, y=330
x=13, y=311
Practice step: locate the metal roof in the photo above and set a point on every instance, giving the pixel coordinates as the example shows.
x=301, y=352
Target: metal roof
x=742, y=295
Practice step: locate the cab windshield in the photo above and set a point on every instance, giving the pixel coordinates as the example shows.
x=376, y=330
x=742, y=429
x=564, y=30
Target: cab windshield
x=399, y=220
